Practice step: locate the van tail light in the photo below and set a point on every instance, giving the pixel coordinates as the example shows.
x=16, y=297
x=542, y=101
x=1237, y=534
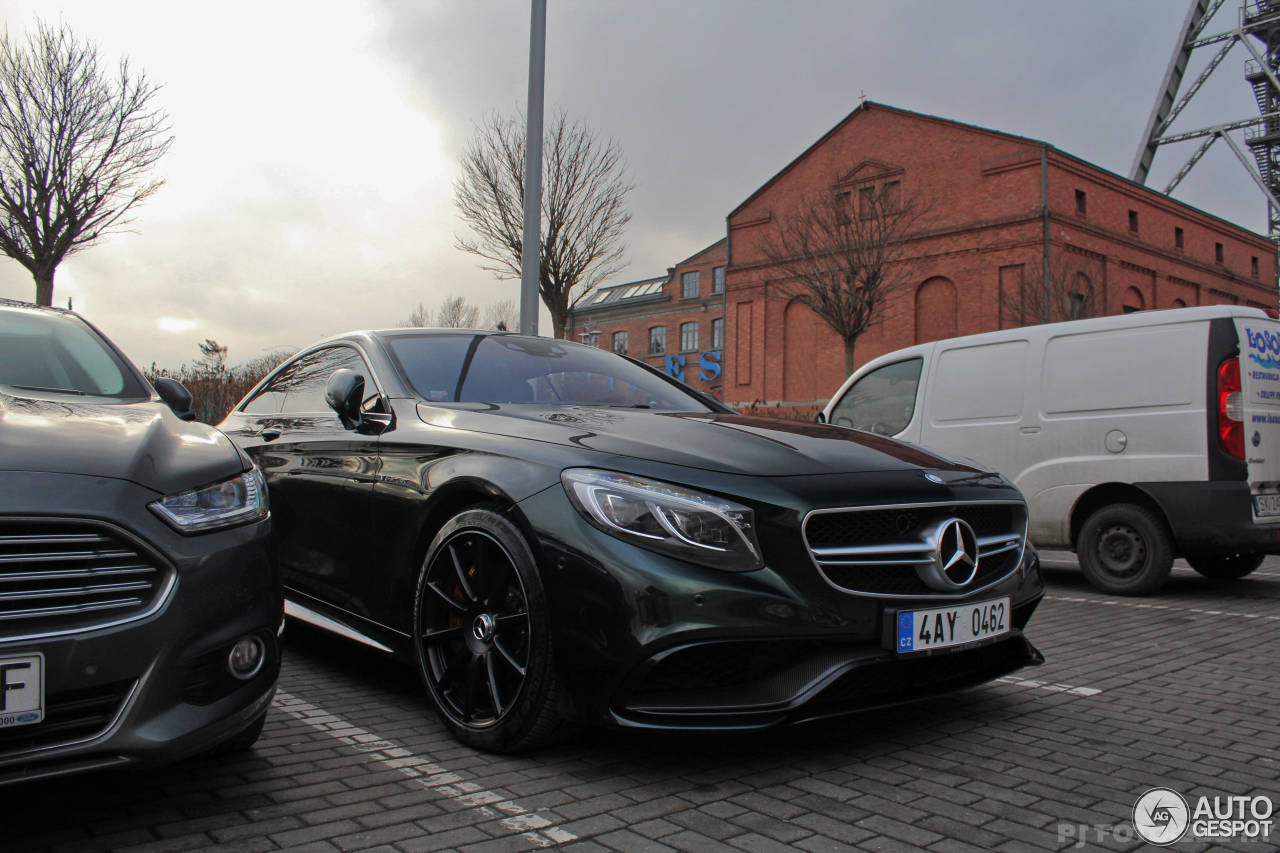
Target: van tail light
x=1230, y=408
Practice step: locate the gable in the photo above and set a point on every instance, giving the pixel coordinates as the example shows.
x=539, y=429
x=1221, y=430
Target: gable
x=869, y=170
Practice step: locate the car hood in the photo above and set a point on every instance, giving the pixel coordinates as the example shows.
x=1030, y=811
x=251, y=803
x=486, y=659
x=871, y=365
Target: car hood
x=143, y=442
x=736, y=444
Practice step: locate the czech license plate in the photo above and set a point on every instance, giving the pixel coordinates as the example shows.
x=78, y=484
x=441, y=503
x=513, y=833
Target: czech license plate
x=21, y=690
x=921, y=630
x=1266, y=505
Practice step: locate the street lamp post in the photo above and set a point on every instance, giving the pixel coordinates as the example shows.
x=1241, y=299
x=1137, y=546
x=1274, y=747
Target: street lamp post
x=530, y=253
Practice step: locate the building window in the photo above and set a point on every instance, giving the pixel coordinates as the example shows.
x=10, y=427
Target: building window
x=844, y=203
x=620, y=343
x=892, y=195
x=688, y=337
x=1133, y=221
x=1076, y=303
x=1217, y=252
x=867, y=202
x=1082, y=202
x=657, y=340
x=593, y=340
x=690, y=285
x=1177, y=238
x=717, y=333
x=1253, y=266
x=717, y=280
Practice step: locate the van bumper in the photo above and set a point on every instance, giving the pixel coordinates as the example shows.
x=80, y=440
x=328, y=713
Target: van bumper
x=1213, y=518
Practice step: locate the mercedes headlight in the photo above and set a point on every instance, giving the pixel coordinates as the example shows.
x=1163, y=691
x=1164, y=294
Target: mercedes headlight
x=669, y=519
x=235, y=501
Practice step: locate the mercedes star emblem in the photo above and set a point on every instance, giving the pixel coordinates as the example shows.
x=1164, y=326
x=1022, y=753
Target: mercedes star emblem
x=955, y=556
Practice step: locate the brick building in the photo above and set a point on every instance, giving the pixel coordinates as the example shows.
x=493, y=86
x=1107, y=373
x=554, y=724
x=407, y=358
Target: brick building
x=674, y=322
x=1007, y=218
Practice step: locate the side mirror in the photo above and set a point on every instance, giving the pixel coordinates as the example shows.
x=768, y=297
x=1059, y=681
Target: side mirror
x=820, y=418
x=344, y=392
x=175, y=396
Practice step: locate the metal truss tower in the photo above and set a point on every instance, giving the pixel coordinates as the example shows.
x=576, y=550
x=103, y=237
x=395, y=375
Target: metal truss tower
x=1258, y=29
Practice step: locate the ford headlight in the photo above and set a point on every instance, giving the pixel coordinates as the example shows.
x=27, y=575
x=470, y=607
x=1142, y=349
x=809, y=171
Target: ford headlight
x=669, y=519
x=236, y=501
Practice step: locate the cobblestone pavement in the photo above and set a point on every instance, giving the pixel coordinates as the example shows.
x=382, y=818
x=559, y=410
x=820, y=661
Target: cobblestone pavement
x=1177, y=690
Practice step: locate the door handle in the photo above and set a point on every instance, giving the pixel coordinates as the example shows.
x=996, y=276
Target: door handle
x=271, y=433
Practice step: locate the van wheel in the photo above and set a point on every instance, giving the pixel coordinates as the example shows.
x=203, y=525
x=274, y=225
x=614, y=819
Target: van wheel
x=1226, y=567
x=1124, y=549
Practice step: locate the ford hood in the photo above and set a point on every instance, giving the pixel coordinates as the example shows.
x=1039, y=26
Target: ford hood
x=143, y=442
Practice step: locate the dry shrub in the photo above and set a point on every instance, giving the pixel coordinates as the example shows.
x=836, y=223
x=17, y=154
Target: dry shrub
x=215, y=388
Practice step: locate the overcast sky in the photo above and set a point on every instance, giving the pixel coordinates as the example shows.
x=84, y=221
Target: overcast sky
x=310, y=186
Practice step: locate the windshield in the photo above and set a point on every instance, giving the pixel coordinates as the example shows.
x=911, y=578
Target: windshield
x=517, y=369
x=58, y=353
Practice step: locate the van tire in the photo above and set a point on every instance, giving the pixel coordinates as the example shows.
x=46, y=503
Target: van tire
x=1125, y=549
x=1226, y=567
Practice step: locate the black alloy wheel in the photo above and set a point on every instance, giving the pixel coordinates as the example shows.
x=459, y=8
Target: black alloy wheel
x=1125, y=549
x=480, y=634
x=1226, y=567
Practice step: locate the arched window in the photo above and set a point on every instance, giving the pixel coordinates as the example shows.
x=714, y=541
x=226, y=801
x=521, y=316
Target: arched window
x=935, y=310
x=1132, y=300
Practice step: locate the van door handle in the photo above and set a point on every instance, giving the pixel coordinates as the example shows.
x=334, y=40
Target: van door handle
x=271, y=433
x=1031, y=430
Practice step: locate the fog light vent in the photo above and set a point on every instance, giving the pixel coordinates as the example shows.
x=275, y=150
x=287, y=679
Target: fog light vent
x=246, y=657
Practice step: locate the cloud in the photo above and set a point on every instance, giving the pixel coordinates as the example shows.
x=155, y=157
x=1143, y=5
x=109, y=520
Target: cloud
x=309, y=189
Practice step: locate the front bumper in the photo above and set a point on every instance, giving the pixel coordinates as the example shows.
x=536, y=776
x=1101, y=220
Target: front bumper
x=647, y=641
x=151, y=686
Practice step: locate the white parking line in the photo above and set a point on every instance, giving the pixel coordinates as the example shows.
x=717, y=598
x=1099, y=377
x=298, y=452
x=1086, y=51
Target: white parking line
x=1140, y=605
x=1043, y=685
x=533, y=827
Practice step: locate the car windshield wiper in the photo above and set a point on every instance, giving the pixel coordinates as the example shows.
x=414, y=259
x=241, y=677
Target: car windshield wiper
x=48, y=390
x=629, y=406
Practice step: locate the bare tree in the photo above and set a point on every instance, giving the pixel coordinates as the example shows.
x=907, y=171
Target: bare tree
x=213, y=357
x=455, y=313
x=583, y=208
x=838, y=252
x=418, y=318
x=76, y=143
x=1072, y=291
x=503, y=316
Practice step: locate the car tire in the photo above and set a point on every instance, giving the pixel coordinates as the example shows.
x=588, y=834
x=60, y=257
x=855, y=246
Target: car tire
x=243, y=740
x=481, y=635
x=1125, y=549
x=1226, y=567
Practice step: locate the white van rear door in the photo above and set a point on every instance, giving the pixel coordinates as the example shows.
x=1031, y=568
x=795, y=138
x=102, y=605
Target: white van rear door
x=1260, y=393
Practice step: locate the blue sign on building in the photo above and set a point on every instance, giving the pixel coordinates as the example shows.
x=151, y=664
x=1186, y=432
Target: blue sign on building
x=708, y=366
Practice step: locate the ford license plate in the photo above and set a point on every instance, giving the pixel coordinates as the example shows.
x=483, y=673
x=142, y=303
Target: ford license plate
x=21, y=690
x=944, y=627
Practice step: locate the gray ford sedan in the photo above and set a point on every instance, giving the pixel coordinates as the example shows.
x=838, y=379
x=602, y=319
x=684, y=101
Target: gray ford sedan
x=139, y=599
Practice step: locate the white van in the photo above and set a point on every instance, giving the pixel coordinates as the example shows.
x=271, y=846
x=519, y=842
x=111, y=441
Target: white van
x=1135, y=438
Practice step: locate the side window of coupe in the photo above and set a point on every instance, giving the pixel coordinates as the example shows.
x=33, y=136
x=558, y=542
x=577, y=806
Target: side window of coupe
x=883, y=401
x=298, y=387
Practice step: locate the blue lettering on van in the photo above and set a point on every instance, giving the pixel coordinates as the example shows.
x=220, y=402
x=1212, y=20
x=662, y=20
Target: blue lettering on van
x=709, y=365
x=1264, y=362
x=1267, y=344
